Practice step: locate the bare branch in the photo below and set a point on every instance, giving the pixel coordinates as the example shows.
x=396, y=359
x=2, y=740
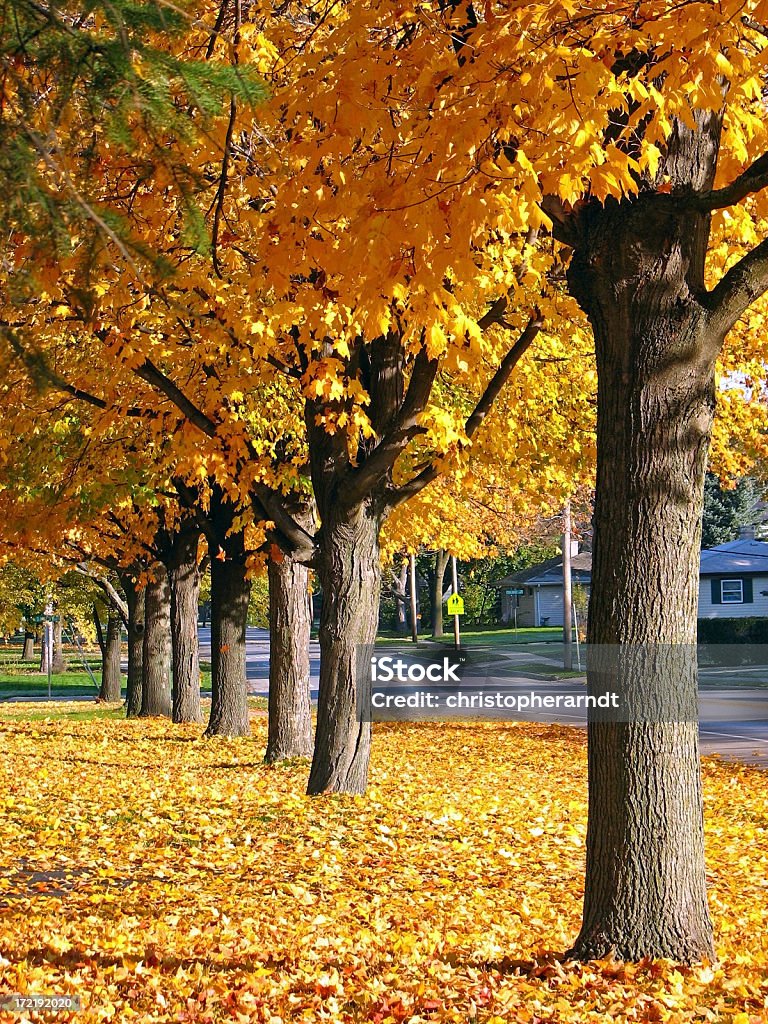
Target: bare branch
x=432, y=470
x=738, y=289
x=104, y=584
x=503, y=373
x=383, y=457
x=289, y=535
x=752, y=180
x=564, y=222
x=151, y=375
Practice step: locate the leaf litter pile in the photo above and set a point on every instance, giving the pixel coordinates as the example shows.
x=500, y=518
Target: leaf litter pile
x=162, y=877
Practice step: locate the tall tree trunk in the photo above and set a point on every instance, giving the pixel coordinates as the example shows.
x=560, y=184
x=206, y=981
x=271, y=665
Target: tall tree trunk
x=99, y=630
x=230, y=593
x=28, y=654
x=438, y=580
x=44, y=650
x=111, y=680
x=400, y=583
x=290, y=715
x=59, y=661
x=350, y=576
x=135, y=598
x=638, y=277
x=156, y=656
x=185, y=592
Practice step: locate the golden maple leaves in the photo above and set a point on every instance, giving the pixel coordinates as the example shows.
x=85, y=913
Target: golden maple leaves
x=166, y=878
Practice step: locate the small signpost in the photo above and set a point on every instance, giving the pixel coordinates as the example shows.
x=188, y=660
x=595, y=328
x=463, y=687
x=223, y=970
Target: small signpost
x=515, y=592
x=455, y=604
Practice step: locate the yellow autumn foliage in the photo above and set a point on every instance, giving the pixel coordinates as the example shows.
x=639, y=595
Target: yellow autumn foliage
x=161, y=877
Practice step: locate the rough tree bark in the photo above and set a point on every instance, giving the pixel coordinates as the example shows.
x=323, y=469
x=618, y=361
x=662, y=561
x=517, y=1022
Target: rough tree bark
x=100, y=639
x=290, y=715
x=111, y=680
x=352, y=502
x=59, y=661
x=135, y=598
x=156, y=655
x=399, y=583
x=230, y=593
x=185, y=591
x=350, y=576
x=638, y=272
x=441, y=564
x=29, y=646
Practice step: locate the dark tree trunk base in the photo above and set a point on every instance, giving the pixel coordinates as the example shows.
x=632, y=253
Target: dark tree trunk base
x=185, y=591
x=290, y=711
x=135, y=599
x=156, y=655
x=349, y=574
x=230, y=593
x=111, y=679
x=29, y=647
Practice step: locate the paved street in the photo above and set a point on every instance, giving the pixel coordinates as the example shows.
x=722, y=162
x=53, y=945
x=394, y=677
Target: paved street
x=733, y=718
x=733, y=710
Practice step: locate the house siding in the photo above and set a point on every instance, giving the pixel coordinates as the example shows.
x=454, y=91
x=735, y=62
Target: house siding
x=758, y=608
x=550, y=606
x=526, y=609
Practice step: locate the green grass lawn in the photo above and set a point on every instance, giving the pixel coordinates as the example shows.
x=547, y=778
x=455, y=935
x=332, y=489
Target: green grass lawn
x=481, y=635
x=23, y=678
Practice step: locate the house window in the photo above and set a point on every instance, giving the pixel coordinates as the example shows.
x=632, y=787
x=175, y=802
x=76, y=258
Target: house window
x=732, y=591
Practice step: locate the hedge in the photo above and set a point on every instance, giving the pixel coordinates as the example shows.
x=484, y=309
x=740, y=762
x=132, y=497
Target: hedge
x=733, y=631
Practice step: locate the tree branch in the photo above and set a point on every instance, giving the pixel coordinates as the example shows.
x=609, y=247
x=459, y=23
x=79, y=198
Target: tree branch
x=289, y=535
x=151, y=375
x=383, y=457
x=112, y=595
x=752, y=180
x=504, y=372
x=564, y=221
x=43, y=375
x=738, y=289
x=432, y=470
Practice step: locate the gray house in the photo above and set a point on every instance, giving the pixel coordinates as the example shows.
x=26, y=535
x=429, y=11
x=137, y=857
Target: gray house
x=733, y=583
x=734, y=580
x=541, y=600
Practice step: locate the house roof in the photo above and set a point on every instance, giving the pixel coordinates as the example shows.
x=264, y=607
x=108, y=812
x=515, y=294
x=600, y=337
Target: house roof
x=550, y=573
x=737, y=557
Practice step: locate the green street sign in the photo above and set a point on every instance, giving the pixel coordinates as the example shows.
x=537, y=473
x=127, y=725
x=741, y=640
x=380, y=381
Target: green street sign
x=515, y=592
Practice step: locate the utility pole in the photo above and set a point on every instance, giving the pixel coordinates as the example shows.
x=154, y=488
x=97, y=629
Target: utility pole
x=414, y=621
x=567, y=591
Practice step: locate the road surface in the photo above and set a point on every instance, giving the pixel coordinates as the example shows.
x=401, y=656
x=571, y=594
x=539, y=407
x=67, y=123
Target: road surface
x=733, y=712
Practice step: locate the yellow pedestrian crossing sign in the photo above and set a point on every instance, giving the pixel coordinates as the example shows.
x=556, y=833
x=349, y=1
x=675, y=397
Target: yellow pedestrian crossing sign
x=455, y=605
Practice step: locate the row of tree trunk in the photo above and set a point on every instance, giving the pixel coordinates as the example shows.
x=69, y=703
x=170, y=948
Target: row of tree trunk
x=58, y=663
x=163, y=658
